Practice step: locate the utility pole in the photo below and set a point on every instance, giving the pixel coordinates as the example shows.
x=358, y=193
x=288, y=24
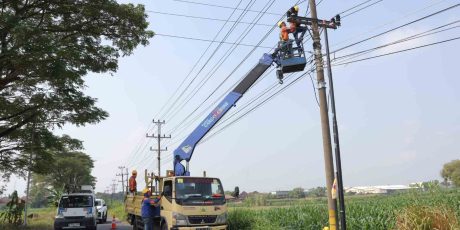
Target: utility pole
x=159, y=138
x=28, y=173
x=327, y=148
x=335, y=131
x=127, y=180
x=122, y=174
x=114, y=187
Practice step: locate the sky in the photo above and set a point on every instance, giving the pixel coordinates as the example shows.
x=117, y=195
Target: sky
x=398, y=114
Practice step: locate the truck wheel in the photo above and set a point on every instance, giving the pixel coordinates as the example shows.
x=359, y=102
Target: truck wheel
x=104, y=218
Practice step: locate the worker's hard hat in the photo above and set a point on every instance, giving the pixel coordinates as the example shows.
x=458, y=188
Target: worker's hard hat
x=145, y=191
x=296, y=8
x=280, y=23
x=134, y=172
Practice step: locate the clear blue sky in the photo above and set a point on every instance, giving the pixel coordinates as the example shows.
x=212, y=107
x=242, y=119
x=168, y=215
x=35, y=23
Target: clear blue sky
x=398, y=115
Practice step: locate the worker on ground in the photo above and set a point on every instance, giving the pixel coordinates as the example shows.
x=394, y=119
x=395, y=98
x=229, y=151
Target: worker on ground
x=179, y=169
x=133, y=183
x=284, y=37
x=294, y=25
x=148, y=206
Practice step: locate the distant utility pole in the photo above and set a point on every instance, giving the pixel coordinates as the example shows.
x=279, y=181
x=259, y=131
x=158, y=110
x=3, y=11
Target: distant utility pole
x=114, y=187
x=127, y=180
x=122, y=174
x=28, y=172
x=327, y=148
x=159, y=138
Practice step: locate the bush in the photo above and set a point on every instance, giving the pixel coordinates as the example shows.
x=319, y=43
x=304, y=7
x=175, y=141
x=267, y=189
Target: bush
x=427, y=218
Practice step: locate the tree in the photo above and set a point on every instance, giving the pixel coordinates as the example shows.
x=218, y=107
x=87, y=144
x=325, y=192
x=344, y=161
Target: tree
x=236, y=192
x=297, y=193
x=71, y=170
x=451, y=172
x=46, y=48
x=317, y=192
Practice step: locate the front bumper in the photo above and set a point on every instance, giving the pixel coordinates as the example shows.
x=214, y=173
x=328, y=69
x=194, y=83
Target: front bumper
x=74, y=222
x=211, y=227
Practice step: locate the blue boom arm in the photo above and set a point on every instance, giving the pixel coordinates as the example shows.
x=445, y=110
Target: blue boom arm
x=185, y=150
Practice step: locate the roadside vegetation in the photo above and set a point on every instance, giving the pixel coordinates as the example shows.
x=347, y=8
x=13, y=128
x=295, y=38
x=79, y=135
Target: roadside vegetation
x=435, y=209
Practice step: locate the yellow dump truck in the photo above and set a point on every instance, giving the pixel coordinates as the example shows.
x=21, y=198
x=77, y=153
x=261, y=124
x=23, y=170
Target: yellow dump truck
x=188, y=203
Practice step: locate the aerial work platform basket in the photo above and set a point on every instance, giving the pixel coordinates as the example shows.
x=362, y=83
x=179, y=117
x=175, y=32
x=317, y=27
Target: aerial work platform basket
x=290, y=59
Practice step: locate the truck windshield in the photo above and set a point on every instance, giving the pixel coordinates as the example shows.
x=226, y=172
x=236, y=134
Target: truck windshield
x=199, y=191
x=98, y=203
x=76, y=201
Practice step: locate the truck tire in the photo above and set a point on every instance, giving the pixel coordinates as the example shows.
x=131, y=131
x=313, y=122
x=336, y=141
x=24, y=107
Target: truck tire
x=104, y=218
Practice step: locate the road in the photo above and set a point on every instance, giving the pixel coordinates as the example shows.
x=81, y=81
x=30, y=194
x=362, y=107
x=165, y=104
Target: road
x=108, y=225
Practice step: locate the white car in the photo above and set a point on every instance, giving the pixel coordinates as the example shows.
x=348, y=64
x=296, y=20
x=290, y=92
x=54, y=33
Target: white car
x=101, y=210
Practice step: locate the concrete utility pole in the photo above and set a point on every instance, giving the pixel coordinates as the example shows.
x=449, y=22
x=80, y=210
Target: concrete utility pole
x=159, y=138
x=335, y=131
x=327, y=148
x=122, y=174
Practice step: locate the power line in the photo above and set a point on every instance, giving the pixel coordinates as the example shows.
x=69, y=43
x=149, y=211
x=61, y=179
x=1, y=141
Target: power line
x=220, y=6
x=399, y=51
x=409, y=38
x=207, y=40
x=390, y=22
x=365, y=7
x=398, y=27
x=203, y=18
x=209, y=58
x=193, y=68
x=354, y=7
x=222, y=60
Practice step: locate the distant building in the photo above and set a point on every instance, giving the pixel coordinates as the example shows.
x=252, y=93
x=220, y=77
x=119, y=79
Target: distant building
x=280, y=194
x=381, y=189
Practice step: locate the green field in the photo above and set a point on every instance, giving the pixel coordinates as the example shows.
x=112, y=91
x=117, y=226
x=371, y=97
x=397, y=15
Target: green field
x=414, y=210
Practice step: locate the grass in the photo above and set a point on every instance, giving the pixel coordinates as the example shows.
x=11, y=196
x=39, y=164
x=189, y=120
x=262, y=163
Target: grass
x=117, y=208
x=43, y=220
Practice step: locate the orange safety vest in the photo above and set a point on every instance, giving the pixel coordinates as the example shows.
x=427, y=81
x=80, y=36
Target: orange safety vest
x=132, y=184
x=284, y=34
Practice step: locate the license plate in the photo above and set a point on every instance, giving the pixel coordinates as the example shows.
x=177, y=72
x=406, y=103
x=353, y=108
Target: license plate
x=74, y=225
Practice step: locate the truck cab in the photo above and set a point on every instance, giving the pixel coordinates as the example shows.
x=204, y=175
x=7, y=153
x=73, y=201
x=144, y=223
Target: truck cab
x=188, y=203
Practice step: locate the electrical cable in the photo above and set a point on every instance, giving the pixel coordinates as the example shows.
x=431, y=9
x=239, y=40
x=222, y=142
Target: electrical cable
x=399, y=51
x=203, y=18
x=208, y=40
x=222, y=60
x=212, y=54
x=193, y=68
x=220, y=6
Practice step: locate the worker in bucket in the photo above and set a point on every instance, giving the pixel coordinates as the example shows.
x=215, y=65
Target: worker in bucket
x=294, y=25
x=148, y=207
x=133, y=183
x=284, y=39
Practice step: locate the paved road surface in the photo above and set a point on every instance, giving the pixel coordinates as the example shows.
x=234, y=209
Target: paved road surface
x=108, y=225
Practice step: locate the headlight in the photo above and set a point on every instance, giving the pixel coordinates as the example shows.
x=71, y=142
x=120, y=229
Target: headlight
x=180, y=219
x=59, y=216
x=221, y=219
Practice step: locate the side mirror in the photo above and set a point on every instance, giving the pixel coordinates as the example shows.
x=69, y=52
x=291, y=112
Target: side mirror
x=104, y=205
